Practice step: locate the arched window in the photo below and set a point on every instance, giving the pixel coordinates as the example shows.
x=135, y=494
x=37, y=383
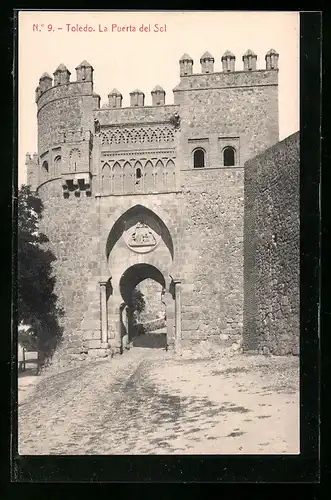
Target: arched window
x=45, y=166
x=57, y=166
x=106, y=179
x=74, y=158
x=138, y=176
x=159, y=177
x=117, y=179
x=170, y=175
x=199, y=158
x=128, y=178
x=138, y=173
x=229, y=157
x=149, y=177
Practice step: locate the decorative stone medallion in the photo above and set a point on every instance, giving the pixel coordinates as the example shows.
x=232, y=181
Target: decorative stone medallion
x=141, y=238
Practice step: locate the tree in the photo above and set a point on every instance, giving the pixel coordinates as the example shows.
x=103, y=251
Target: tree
x=37, y=302
x=137, y=303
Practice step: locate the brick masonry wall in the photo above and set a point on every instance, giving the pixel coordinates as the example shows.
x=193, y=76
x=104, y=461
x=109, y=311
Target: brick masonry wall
x=272, y=246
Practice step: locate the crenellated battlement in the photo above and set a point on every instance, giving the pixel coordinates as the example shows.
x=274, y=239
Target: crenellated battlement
x=31, y=158
x=68, y=91
x=61, y=88
x=239, y=79
x=220, y=117
x=228, y=63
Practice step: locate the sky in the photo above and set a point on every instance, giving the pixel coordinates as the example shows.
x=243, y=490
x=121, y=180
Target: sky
x=128, y=59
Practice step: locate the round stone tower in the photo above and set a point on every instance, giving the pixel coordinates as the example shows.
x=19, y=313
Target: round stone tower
x=65, y=128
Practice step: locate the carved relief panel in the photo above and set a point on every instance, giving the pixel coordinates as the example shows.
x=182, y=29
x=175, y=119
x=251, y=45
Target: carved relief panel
x=74, y=159
x=132, y=135
x=141, y=238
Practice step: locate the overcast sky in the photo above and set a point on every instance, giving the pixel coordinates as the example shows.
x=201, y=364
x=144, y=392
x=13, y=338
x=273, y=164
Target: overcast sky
x=132, y=59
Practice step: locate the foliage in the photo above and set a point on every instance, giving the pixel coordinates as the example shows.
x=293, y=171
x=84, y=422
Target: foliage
x=138, y=301
x=37, y=302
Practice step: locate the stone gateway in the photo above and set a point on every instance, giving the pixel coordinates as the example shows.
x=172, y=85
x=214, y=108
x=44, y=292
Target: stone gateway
x=151, y=193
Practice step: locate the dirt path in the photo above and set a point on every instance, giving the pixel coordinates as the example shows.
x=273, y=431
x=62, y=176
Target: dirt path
x=150, y=402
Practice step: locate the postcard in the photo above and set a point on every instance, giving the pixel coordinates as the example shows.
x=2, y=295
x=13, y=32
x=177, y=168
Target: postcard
x=158, y=233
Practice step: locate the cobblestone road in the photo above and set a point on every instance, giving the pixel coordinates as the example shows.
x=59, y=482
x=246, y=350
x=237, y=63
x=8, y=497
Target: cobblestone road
x=150, y=402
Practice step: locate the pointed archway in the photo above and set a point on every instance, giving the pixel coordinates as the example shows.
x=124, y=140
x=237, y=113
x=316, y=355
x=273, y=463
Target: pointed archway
x=131, y=217
x=138, y=248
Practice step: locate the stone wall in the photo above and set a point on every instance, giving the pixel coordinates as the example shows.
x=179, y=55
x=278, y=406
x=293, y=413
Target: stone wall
x=217, y=109
x=230, y=79
x=212, y=253
x=202, y=209
x=72, y=228
x=154, y=308
x=205, y=223
x=78, y=229
x=62, y=108
x=135, y=115
x=272, y=249
x=229, y=113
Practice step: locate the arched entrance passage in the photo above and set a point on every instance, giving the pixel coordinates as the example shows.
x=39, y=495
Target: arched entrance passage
x=143, y=311
x=138, y=249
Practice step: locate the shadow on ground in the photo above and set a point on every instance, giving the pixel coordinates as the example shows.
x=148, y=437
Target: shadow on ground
x=98, y=410
x=150, y=340
x=28, y=372
x=146, y=412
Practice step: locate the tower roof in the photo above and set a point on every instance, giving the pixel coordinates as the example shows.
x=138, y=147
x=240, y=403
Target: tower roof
x=207, y=55
x=61, y=68
x=84, y=64
x=272, y=52
x=228, y=54
x=45, y=75
x=115, y=92
x=157, y=88
x=249, y=52
x=186, y=57
x=137, y=91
